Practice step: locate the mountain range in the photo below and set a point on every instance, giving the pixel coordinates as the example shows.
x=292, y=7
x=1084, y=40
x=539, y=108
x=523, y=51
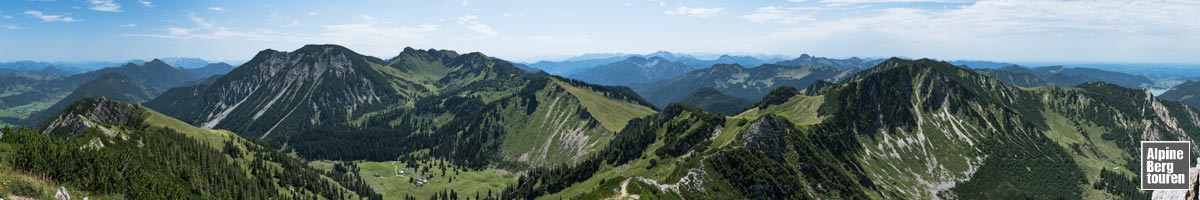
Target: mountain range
x=324, y=121
x=23, y=96
x=738, y=81
x=580, y=65
x=1064, y=76
x=468, y=108
x=634, y=70
x=903, y=129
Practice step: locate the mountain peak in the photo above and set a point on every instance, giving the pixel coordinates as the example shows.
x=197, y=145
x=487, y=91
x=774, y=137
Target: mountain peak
x=157, y=63
x=93, y=112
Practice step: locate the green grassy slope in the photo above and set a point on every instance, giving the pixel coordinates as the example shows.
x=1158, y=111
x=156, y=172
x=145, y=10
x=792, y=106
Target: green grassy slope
x=941, y=132
x=105, y=134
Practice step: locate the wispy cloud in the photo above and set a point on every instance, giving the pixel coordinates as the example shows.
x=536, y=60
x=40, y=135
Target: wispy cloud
x=472, y=22
x=1032, y=30
x=50, y=18
x=146, y=3
x=775, y=14
x=205, y=29
x=104, y=5
x=129, y=25
x=380, y=33
x=13, y=27
x=217, y=9
x=696, y=11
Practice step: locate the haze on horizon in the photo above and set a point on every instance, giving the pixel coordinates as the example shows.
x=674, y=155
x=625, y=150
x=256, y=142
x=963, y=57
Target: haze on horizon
x=526, y=30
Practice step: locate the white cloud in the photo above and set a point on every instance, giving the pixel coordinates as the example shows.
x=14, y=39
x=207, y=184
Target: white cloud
x=775, y=14
x=129, y=25
x=662, y=4
x=217, y=9
x=205, y=29
x=13, y=27
x=312, y=13
x=146, y=3
x=466, y=3
x=797, y=0
x=48, y=17
x=696, y=12
x=472, y=22
x=374, y=33
x=1023, y=30
x=178, y=31
x=104, y=5
x=199, y=21
x=8, y=17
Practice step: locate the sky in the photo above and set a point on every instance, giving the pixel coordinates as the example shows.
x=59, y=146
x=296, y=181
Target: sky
x=530, y=30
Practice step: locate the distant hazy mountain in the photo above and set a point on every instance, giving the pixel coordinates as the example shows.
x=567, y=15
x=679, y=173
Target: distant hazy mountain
x=714, y=101
x=111, y=86
x=586, y=62
x=634, y=70
x=186, y=63
x=1063, y=76
x=29, y=95
x=68, y=67
x=595, y=56
x=210, y=70
x=570, y=66
x=849, y=63
x=738, y=81
x=48, y=72
x=1188, y=93
x=980, y=64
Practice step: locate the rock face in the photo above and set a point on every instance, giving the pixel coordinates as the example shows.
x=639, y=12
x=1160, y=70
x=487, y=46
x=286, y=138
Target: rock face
x=62, y=194
x=767, y=134
x=88, y=112
x=470, y=105
x=315, y=85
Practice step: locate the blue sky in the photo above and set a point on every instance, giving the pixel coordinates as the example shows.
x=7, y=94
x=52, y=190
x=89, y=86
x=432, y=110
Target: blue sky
x=525, y=30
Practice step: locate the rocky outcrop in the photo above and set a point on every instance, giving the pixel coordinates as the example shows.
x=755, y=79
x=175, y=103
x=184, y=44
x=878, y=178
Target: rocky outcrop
x=89, y=112
x=766, y=135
